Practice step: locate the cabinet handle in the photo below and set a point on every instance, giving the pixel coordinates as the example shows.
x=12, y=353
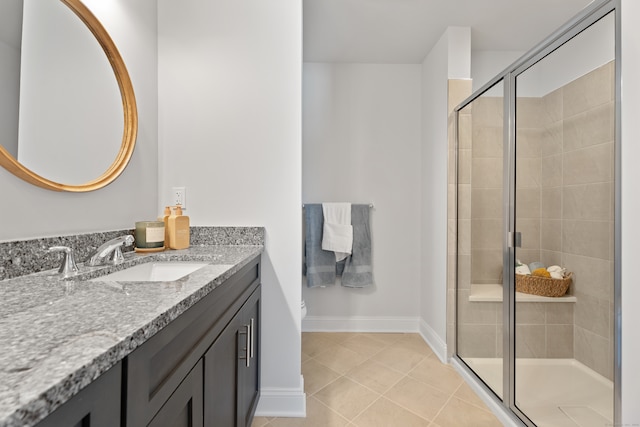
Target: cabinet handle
x=247, y=348
x=252, y=337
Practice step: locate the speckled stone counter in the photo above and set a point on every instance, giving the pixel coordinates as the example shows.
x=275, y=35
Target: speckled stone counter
x=59, y=335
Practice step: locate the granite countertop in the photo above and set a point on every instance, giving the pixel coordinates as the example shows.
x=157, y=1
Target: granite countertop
x=59, y=335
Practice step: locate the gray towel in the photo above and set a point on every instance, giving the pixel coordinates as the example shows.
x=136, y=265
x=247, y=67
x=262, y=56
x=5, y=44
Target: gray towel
x=358, y=272
x=320, y=265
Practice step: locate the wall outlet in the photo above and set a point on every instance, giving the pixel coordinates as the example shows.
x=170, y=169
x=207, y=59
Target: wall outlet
x=179, y=197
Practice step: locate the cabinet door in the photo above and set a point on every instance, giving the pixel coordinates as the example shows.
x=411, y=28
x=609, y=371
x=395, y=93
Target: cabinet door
x=231, y=370
x=184, y=407
x=220, y=378
x=249, y=372
x=97, y=405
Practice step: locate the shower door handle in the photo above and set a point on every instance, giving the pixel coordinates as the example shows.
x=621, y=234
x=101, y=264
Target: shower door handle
x=515, y=239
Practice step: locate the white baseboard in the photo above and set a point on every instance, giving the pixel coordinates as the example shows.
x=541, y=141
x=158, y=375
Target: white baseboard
x=360, y=324
x=438, y=346
x=282, y=402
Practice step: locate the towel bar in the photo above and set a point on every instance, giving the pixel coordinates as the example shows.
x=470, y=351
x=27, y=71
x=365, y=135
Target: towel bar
x=370, y=205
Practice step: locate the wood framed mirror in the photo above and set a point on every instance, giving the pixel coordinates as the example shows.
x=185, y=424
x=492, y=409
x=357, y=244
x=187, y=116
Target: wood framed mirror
x=14, y=164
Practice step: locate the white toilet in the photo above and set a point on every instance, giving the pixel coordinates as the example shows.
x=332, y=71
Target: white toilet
x=303, y=306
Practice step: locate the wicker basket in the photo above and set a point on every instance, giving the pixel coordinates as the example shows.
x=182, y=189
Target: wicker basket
x=543, y=286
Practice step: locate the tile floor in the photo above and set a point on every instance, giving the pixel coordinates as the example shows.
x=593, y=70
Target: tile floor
x=381, y=380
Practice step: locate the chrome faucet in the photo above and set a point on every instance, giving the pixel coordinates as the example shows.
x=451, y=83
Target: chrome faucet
x=68, y=267
x=111, y=251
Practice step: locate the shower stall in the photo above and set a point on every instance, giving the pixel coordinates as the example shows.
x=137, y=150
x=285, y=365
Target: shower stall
x=537, y=184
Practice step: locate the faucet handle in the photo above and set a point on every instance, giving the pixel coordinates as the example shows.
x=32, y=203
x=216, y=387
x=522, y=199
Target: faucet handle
x=118, y=257
x=68, y=267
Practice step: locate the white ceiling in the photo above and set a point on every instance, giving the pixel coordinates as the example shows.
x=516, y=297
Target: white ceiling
x=404, y=31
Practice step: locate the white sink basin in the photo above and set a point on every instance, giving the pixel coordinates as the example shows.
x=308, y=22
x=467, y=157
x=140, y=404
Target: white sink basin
x=164, y=271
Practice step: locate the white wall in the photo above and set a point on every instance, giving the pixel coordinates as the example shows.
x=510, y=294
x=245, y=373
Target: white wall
x=449, y=58
x=30, y=212
x=361, y=144
x=230, y=131
x=593, y=48
x=580, y=55
x=486, y=64
x=630, y=198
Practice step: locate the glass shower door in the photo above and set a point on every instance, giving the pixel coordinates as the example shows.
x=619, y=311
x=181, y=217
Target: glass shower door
x=564, y=196
x=480, y=182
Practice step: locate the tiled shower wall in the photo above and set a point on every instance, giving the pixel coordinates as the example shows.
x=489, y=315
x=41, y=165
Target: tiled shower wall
x=545, y=330
x=577, y=229
x=480, y=225
x=564, y=211
x=485, y=210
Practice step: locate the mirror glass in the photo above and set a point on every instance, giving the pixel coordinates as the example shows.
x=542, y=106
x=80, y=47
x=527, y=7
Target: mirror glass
x=62, y=115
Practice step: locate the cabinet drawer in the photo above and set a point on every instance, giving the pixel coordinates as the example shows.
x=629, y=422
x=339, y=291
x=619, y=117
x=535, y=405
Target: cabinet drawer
x=157, y=367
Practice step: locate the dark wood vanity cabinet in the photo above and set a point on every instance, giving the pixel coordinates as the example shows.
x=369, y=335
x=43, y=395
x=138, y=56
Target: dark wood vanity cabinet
x=231, y=370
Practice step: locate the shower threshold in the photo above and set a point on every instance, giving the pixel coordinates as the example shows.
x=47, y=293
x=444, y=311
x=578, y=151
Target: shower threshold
x=554, y=392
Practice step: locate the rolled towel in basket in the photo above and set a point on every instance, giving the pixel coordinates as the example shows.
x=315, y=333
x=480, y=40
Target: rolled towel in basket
x=523, y=269
x=556, y=271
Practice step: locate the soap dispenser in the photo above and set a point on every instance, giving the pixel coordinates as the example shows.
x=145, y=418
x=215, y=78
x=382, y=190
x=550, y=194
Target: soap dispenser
x=179, y=233
x=165, y=218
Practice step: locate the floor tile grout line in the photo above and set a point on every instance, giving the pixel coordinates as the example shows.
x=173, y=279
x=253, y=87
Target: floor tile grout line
x=333, y=410
x=453, y=396
x=443, y=406
x=409, y=409
x=325, y=386
x=365, y=409
x=363, y=361
x=403, y=375
x=383, y=395
x=370, y=358
x=378, y=394
x=485, y=408
x=406, y=409
x=435, y=386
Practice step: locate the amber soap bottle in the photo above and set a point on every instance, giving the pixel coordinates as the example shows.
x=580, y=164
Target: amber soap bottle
x=178, y=229
x=165, y=218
